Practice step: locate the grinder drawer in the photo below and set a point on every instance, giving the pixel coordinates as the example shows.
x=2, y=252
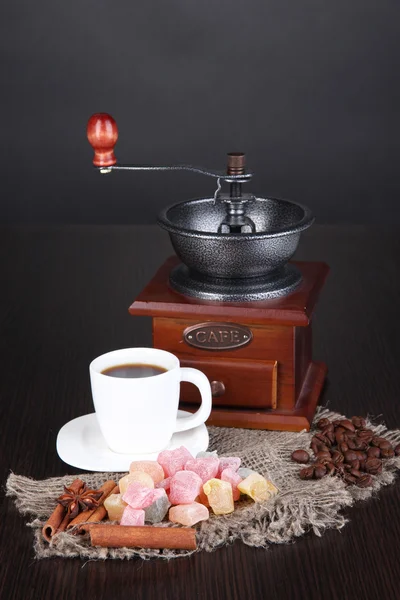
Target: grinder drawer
x=234, y=382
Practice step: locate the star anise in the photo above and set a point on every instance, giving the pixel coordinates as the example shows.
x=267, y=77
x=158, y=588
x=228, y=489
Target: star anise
x=80, y=501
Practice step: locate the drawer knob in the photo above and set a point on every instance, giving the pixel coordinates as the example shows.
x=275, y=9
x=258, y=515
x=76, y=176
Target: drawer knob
x=217, y=388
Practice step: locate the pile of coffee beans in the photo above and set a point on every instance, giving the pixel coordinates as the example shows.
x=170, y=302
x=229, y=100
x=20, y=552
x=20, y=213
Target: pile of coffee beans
x=345, y=448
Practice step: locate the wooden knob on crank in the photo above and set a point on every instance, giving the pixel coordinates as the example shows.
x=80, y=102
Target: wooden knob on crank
x=217, y=389
x=102, y=133
x=236, y=163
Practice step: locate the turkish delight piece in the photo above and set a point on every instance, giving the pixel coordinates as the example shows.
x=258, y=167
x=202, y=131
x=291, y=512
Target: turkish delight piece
x=173, y=461
x=234, y=479
x=245, y=472
x=138, y=496
x=203, y=499
x=132, y=516
x=152, y=467
x=115, y=506
x=156, y=512
x=220, y=496
x=143, y=478
x=257, y=487
x=188, y=514
x=207, y=454
x=228, y=462
x=185, y=487
x=206, y=468
x=164, y=484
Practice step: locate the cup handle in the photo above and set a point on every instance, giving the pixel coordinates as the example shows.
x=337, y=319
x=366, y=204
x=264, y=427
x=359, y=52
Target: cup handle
x=199, y=417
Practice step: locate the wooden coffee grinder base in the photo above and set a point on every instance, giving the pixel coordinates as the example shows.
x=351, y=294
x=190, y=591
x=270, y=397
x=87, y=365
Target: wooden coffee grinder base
x=257, y=355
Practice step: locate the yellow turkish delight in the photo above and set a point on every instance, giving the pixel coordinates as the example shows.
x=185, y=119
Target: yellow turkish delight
x=257, y=487
x=115, y=506
x=143, y=478
x=220, y=497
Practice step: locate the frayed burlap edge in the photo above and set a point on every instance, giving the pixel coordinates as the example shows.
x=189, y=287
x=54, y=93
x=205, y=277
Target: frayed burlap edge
x=299, y=507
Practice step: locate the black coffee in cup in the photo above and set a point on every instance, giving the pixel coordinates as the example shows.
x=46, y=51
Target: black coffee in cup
x=133, y=371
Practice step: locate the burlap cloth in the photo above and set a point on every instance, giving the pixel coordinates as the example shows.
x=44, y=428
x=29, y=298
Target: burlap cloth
x=299, y=507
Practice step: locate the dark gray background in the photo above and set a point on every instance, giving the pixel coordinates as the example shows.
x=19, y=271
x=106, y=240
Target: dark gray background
x=309, y=89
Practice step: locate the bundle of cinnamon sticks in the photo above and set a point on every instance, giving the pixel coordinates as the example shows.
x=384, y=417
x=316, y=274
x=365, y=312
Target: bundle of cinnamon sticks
x=60, y=519
x=115, y=536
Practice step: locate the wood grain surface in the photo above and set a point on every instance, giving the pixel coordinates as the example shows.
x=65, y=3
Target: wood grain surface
x=65, y=293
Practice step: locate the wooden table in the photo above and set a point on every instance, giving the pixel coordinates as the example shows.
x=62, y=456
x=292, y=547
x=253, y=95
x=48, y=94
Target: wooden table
x=65, y=293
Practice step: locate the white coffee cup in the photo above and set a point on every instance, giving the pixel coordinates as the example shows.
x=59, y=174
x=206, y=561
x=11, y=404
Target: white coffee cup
x=139, y=415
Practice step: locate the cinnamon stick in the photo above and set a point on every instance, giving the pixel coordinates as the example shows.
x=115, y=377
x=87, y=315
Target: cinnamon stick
x=57, y=517
x=95, y=514
x=63, y=525
x=123, y=536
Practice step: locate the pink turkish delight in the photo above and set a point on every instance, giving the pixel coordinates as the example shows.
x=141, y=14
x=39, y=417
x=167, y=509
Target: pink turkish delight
x=206, y=468
x=138, y=496
x=151, y=467
x=173, y=461
x=234, y=479
x=228, y=462
x=185, y=487
x=132, y=516
x=188, y=514
x=164, y=484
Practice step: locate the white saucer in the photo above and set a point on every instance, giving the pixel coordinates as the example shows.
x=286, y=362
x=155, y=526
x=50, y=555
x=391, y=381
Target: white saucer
x=80, y=444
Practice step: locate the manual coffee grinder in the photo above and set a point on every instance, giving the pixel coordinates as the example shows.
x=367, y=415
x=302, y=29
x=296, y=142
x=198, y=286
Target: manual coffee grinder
x=230, y=303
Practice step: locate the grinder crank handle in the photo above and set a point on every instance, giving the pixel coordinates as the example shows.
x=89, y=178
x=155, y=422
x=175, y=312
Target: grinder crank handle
x=102, y=133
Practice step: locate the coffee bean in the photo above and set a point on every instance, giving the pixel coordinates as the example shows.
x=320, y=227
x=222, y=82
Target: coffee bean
x=314, y=447
x=361, y=455
x=340, y=429
x=322, y=423
x=324, y=448
x=307, y=473
x=358, y=422
x=337, y=457
x=355, y=464
x=397, y=450
x=347, y=425
x=323, y=455
x=376, y=440
x=364, y=481
x=362, y=465
x=323, y=439
x=385, y=445
x=366, y=435
x=360, y=444
x=329, y=427
x=355, y=473
x=349, y=456
x=331, y=468
x=387, y=452
x=349, y=478
x=340, y=436
x=351, y=443
x=373, y=466
x=373, y=452
x=329, y=434
x=300, y=456
x=319, y=471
